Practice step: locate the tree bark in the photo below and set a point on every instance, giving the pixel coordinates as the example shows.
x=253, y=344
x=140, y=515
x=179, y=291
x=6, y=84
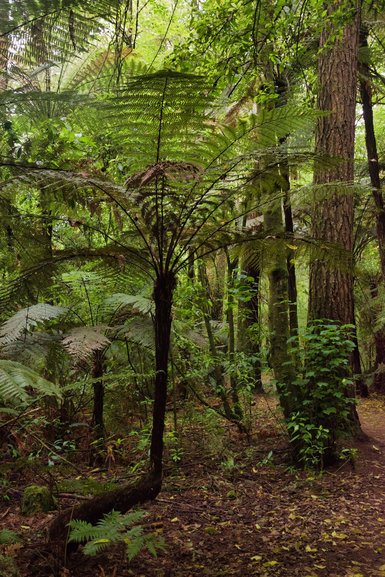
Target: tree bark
x=372, y=153
x=331, y=289
x=163, y=296
x=248, y=340
x=231, y=348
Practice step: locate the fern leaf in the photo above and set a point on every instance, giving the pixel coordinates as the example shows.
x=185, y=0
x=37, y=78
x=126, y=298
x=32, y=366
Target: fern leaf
x=96, y=545
x=82, y=342
x=26, y=319
x=16, y=378
x=139, y=303
x=80, y=531
x=139, y=331
x=134, y=545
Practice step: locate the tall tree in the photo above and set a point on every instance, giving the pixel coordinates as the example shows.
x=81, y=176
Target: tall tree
x=331, y=289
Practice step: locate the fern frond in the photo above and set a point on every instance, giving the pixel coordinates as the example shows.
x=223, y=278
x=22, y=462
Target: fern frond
x=106, y=531
x=157, y=118
x=139, y=331
x=26, y=319
x=38, y=31
x=32, y=349
x=82, y=342
x=139, y=304
x=16, y=379
x=112, y=528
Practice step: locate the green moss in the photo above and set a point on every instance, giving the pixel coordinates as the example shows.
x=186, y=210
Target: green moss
x=86, y=486
x=8, y=567
x=37, y=499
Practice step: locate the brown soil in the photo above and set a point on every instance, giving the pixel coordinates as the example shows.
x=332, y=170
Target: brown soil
x=247, y=519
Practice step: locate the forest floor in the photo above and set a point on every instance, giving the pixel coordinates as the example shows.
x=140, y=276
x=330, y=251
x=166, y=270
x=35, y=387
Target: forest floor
x=248, y=514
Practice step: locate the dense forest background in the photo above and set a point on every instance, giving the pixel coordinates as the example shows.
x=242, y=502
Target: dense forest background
x=192, y=256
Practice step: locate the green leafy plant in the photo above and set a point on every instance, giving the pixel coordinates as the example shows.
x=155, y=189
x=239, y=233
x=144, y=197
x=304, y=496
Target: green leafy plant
x=115, y=528
x=321, y=407
x=312, y=440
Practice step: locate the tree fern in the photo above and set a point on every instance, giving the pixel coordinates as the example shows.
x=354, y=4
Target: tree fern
x=38, y=31
x=113, y=528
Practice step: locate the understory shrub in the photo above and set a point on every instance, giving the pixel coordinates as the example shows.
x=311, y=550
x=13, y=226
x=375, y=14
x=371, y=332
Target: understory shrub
x=322, y=402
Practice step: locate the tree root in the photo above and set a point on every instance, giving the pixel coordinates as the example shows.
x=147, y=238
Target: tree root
x=122, y=499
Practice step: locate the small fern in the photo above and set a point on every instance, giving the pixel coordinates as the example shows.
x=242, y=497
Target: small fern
x=113, y=528
x=8, y=537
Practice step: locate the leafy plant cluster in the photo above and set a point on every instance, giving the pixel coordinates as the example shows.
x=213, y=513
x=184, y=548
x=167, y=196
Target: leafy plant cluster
x=322, y=403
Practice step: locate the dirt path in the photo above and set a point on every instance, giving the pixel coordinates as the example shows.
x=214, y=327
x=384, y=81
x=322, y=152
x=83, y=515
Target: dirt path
x=262, y=521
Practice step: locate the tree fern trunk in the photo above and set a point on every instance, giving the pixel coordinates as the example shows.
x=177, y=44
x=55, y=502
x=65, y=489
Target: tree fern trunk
x=163, y=295
x=96, y=453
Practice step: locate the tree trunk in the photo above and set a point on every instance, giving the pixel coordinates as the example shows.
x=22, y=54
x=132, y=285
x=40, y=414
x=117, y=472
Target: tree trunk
x=163, y=296
x=379, y=344
x=248, y=340
x=97, y=447
x=4, y=48
x=331, y=288
x=372, y=153
x=231, y=267
x=279, y=312
x=379, y=374
x=292, y=279
x=289, y=227
x=374, y=173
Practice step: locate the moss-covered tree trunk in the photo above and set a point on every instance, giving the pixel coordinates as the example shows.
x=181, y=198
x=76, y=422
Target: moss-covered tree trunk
x=248, y=325
x=231, y=348
x=280, y=360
